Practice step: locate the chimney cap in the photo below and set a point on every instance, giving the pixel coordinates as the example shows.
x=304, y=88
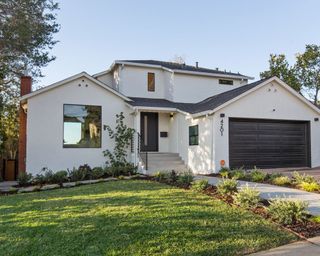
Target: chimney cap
x=197, y=64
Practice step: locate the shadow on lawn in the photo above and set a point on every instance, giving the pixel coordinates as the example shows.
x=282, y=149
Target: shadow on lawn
x=129, y=217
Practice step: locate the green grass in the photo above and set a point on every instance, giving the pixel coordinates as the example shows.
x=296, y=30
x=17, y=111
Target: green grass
x=130, y=218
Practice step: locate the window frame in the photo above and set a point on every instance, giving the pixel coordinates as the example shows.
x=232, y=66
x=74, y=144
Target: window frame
x=74, y=147
x=151, y=89
x=226, y=81
x=194, y=135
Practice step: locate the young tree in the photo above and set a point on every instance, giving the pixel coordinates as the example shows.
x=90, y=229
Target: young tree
x=26, y=38
x=308, y=70
x=279, y=66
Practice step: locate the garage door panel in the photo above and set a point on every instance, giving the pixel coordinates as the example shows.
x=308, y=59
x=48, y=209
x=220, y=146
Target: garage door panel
x=268, y=143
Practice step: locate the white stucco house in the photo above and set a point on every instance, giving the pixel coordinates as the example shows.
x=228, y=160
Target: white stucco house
x=186, y=116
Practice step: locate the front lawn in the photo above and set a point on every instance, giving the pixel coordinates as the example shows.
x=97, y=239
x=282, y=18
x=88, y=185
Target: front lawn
x=130, y=218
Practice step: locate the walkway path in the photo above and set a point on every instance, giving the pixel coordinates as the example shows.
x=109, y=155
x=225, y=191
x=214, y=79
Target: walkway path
x=311, y=247
x=271, y=192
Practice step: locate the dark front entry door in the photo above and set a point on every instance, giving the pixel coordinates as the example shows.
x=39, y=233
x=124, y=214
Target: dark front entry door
x=268, y=143
x=149, y=131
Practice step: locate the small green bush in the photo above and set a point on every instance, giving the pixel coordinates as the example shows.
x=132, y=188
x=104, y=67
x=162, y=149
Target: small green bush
x=172, y=176
x=84, y=172
x=24, y=179
x=309, y=186
x=59, y=177
x=227, y=187
x=161, y=176
x=257, y=175
x=288, y=212
x=281, y=181
x=272, y=176
x=98, y=173
x=299, y=178
x=200, y=185
x=247, y=197
x=238, y=174
x=121, y=177
x=185, y=178
x=224, y=172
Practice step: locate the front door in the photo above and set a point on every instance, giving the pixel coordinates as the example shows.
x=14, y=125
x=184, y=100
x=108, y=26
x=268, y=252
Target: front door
x=149, y=131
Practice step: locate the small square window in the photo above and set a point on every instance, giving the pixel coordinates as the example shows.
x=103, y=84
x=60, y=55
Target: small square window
x=151, y=82
x=193, y=135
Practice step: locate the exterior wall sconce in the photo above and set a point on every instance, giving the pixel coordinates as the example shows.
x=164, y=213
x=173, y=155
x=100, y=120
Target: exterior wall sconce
x=316, y=119
x=171, y=115
x=222, y=115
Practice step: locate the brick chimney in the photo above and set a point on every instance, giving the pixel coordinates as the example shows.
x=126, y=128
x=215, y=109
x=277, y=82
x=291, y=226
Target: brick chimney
x=25, y=88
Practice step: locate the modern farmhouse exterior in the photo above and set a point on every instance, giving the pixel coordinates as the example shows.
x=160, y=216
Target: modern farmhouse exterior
x=205, y=117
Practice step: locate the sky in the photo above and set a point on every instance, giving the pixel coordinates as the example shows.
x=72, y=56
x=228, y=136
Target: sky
x=234, y=35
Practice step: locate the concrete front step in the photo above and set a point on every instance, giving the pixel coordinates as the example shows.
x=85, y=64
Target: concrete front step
x=163, y=162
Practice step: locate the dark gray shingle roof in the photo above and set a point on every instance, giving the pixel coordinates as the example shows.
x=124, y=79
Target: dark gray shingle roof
x=184, y=67
x=193, y=108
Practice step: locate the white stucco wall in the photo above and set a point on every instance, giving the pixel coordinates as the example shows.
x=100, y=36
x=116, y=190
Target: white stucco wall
x=164, y=119
x=198, y=158
x=194, y=88
x=260, y=104
x=134, y=82
x=45, y=126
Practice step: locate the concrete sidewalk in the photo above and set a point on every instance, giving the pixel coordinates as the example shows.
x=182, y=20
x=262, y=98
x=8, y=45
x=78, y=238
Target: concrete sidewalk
x=272, y=192
x=311, y=247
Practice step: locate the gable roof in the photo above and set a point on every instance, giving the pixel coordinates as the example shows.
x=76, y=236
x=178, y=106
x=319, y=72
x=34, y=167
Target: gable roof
x=212, y=104
x=183, y=67
x=70, y=79
x=175, y=67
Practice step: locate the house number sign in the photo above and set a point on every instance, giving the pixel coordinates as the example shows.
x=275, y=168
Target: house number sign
x=221, y=127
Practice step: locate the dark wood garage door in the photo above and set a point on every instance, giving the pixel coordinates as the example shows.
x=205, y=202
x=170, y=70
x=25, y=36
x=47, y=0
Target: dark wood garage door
x=268, y=143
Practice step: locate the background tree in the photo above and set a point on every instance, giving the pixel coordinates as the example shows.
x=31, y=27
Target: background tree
x=279, y=66
x=26, y=38
x=308, y=71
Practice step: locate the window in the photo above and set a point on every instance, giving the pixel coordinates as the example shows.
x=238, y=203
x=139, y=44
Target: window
x=193, y=135
x=81, y=126
x=224, y=81
x=151, y=82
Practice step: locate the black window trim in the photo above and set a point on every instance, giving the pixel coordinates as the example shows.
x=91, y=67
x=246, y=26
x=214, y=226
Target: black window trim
x=74, y=104
x=226, y=81
x=196, y=135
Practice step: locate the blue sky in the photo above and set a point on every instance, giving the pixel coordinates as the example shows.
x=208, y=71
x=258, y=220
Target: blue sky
x=231, y=35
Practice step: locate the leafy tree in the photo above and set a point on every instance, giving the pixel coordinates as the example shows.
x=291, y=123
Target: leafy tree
x=26, y=38
x=308, y=71
x=122, y=136
x=279, y=66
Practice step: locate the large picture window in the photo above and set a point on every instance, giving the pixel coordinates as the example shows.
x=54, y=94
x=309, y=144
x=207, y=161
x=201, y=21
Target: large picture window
x=193, y=135
x=81, y=126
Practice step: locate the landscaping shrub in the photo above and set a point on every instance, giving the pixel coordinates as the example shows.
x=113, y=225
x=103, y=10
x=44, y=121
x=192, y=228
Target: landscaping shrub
x=185, y=178
x=59, y=177
x=281, y=181
x=82, y=173
x=125, y=169
x=24, y=179
x=257, y=175
x=299, y=178
x=247, y=197
x=227, y=187
x=98, y=173
x=224, y=172
x=288, y=212
x=200, y=185
x=238, y=174
x=161, y=176
x=309, y=186
x=172, y=176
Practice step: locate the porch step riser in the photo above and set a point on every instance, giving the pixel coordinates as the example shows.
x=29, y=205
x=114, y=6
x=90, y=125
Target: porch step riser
x=164, y=162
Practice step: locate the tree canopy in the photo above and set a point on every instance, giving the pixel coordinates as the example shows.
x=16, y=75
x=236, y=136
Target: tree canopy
x=27, y=29
x=303, y=75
